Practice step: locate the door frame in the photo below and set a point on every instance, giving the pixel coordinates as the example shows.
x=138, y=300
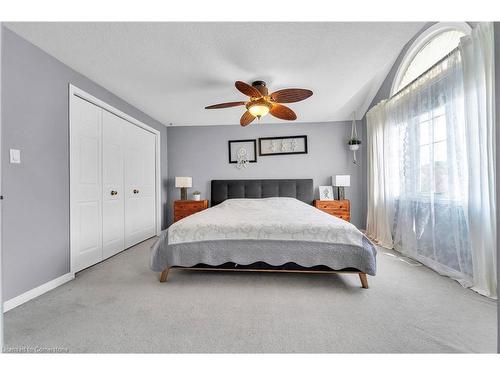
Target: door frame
x=76, y=91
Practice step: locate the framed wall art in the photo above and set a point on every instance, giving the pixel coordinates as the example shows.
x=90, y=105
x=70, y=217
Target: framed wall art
x=242, y=151
x=296, y=144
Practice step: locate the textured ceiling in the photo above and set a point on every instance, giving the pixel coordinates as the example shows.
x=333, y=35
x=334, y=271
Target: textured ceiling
x=171, y=71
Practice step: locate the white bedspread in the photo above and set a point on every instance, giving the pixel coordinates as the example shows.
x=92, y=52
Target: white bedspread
x=264, y=218
x=275, y=231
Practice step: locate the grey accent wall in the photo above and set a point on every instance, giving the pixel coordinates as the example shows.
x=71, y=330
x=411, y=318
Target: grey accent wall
x=202, y=152
x=35, y=239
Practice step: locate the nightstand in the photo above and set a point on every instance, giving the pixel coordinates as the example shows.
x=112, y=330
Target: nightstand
x=340, y=209
x=183, y=209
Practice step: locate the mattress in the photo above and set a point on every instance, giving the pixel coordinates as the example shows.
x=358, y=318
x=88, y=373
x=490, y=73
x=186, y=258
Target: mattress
x=275, y=231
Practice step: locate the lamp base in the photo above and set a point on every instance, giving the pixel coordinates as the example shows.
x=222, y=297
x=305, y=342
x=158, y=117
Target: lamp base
x=184, y=194
x=340, y=193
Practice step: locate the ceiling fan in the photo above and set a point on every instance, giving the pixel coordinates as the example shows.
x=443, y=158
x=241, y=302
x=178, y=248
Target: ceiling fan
x=261, y=102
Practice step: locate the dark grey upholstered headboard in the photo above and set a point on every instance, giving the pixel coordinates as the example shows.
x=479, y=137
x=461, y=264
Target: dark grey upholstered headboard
x=226, y=189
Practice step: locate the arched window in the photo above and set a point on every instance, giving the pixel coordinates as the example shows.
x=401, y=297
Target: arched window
x=430, y=47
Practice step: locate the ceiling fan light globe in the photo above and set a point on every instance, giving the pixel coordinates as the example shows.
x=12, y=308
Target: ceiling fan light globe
x=258, y=110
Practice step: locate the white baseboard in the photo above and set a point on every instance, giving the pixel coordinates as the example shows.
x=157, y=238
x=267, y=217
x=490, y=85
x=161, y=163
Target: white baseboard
x=38, y=291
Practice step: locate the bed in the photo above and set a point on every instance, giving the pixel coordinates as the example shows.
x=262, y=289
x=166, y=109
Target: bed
x=264, y=226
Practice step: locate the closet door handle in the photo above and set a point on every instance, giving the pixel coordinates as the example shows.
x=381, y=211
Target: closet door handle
x=114, y=192
x=136, y=191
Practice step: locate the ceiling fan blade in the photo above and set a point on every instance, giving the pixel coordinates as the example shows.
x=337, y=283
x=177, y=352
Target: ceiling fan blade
x=291, y=95
x=225, y=105
x=248, y=90
x=246, y=119
x=282, y=112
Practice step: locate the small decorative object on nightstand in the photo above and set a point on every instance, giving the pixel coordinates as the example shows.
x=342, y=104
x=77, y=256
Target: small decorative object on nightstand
x=183, y=183
x=339, y=182
x=340, y=209
x=184, y=208
x=326, y=193
x=196, y=195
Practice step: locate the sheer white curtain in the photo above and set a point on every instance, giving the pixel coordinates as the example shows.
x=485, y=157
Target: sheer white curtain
x=430, y=168
x=431, y=163
x=478, y=65
x=380, y=197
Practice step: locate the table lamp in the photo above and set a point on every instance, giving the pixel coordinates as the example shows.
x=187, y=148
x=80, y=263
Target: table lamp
x=183, y=183
x=341, y=180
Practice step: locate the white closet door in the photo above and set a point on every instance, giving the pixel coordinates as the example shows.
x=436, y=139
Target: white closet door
x=140, y=161
x=86, y=186
x=113, y=234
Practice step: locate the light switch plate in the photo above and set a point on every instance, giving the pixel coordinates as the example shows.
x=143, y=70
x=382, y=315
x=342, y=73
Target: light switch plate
x=15, y=156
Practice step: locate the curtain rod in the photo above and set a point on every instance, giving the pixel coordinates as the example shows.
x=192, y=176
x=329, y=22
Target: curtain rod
x=454, y=50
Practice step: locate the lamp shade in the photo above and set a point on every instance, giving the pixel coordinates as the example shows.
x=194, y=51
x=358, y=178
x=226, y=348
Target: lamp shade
x=258, y=110
x=183, y=182
x=342, y=180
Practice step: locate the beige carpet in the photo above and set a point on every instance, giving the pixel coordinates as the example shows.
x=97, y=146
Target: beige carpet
x=119, y=306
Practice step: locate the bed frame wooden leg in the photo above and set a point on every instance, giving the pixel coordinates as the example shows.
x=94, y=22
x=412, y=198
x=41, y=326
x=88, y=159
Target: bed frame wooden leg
x=364, y=280
x=164, y=275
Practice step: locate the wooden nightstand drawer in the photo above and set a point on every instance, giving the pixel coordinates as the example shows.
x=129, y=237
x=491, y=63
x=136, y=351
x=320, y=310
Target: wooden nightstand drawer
x=334, y=211
x=332, y=205
x=341, y=209
x=178, y=216
x=345, y=217
x=185, y=213
x=191, y=205
x=183, y=209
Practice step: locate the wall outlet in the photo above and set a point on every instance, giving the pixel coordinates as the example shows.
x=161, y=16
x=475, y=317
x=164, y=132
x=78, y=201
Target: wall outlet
x=15, y=156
